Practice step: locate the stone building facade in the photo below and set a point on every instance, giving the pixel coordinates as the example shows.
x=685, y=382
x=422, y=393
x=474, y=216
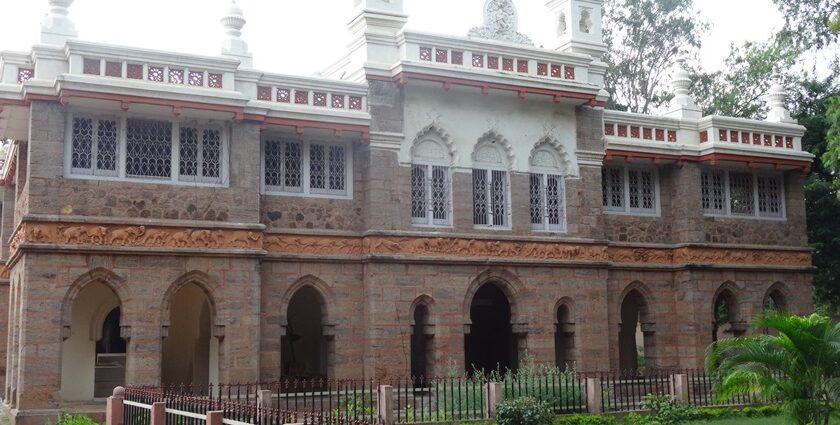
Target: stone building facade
x=430, y=204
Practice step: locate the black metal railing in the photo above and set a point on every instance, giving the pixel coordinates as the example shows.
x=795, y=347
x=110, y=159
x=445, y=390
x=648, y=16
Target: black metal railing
x=565, y=392
x=439, y=399
x=623, y=391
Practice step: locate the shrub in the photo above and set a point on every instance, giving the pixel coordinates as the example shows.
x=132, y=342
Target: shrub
x=585, y=420
x=68, y=419
x=664, y=410
x=523, y=411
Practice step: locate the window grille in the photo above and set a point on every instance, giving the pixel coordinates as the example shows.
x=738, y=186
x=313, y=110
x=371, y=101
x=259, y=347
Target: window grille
x=295, y=166
x=548, y=209
x=148, y=150
x=199, y=154
x=94, y=146
x=742, y=194
x=430, y=195
x=630, y=190
x=490, y=197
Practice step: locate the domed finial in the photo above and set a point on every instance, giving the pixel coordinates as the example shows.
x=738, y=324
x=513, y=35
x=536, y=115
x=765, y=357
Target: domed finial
x=682, y=105
x=56, y=28
x=233, y=21
x=776, y=98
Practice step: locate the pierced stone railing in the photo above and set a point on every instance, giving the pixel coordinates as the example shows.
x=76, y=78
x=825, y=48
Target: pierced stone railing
x=16, y=68
x=652, y=132
x=289, y=90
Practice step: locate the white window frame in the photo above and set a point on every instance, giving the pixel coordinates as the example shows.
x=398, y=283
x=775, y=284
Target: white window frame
x=626, y=209
x=727, y=201
x=94, y=148
x=200, y=128
x=545, y=226
x=429, y=220
x=120, y=175
x=305, y=189
x=489, y=168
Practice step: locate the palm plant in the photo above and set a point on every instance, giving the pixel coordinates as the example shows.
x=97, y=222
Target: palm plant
x=799, y=367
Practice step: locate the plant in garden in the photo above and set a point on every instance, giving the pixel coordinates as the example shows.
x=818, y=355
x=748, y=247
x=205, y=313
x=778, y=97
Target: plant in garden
x=800, y=366
x=68, y=419
x=523, y=411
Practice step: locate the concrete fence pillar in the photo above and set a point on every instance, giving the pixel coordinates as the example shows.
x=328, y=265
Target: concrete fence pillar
x=593, y=396
x=386, y=405
x=159, y=413
x=114, y=408
x=679, y=387
x=263, y=403
x=495, y=395
x=215, y=417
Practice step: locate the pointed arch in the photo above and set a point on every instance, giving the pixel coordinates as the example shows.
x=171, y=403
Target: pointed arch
x=506, y=280
x=108, y=278
x=549, y=153
x=779, y=294
x=433, y=143
x=567, y=303
x=208, y=286
x=321, y=287
x=493, y=148
x=424, y=300
x=732, y=296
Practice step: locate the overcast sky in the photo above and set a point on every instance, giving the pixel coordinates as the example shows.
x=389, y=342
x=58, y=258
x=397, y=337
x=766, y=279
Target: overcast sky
x=303, y=36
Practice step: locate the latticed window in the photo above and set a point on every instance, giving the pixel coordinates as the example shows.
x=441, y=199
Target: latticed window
x=490, y=198
x=430, y=195
x=295, y=166
x=630, y=190
x=94, y=146
x=742, y=194
x=548, y=202
x=139, y=148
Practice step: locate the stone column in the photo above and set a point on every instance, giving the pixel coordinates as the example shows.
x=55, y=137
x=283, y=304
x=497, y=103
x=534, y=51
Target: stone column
x=8, y=220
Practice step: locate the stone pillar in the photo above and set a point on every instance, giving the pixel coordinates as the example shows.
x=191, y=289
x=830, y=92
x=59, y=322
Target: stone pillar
x=159, y=413
x=686, y=211
x=495, y=395
x=386, y=405
x=679, y=387
x=7, y=219
x=593, y=396
x=114, y=407
x=214, y=417
x=263, y=403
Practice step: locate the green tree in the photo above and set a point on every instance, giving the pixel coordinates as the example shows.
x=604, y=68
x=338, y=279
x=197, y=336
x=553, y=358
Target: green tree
x=800, y=367
x=811, y=23
x=644, y=39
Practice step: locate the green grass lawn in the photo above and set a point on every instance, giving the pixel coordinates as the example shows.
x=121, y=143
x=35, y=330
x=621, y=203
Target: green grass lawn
x=744, y=421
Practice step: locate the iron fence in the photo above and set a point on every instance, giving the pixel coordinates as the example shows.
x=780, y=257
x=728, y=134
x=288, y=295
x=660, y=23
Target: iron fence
x=565, y=392
x=623, y=391
x=439, y=399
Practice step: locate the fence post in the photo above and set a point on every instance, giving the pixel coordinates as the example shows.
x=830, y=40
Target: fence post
x=263, y=403
x=215, y=417
x=114, y=407
x=679, y=387
x=159, y=413
x=494, y=397
x=593, y=396
x=386, y=405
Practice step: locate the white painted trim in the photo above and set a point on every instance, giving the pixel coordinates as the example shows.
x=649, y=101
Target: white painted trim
x=545, y=227
x=489, y=168
x=429, y=220
x=640, y=212
x=727, y=213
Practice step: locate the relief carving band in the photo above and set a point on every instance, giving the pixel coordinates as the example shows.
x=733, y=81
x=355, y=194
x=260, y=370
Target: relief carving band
x=51, y=233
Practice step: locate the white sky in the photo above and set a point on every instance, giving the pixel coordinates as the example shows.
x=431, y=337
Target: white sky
x=303, y=36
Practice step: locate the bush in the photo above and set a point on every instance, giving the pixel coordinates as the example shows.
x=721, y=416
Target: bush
x=585, y=420
x=68, y=419
x=523, y=411
x=664, y=410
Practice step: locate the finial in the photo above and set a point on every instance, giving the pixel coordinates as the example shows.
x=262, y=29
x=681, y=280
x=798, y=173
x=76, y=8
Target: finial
x=776, y=98
x=56, y=28
x=233, y=21
x=682, y=105
x=500, y=23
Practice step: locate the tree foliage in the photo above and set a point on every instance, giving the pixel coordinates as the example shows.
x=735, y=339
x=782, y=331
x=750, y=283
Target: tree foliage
x=800, y=366
x=644, y=39
x=811, y=23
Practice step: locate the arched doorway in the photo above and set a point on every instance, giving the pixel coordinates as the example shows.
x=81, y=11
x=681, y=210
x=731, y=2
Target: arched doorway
x=490, y=344
x=635, y=335
x=303, y=345
x=776, y=301
x=726, y=323
x=564, y=339
x=420, y=343
x=190, y=353
x=93, y=353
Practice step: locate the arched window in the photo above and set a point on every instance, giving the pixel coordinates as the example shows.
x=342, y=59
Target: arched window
x=636, y=336
x=421, y=344
x=564, y=338
x=491, y=183
x=775, y=300
x=548, y=190
x=726, y=323
x=431, y=180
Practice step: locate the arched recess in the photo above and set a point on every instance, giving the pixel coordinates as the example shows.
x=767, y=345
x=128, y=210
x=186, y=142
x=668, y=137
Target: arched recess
x=422, y=338
x=493, y=148
x=636, y=335
x=93, y=350
x=192, y=332
x=495, y=335
x=565, y=354
x=433, y=143
x=776, y=298
x=549, y=153
x=432, y=156
x=726, y=313
x=306, y=342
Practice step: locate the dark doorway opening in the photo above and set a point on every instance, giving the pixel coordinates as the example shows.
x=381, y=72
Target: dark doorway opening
x=564, y=339
x=420, y=344
x=633, y=342
x=490, y=344
x=303, y=347
x=109, y=371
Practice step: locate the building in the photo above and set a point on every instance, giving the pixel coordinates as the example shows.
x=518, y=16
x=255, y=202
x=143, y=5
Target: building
x=430, y=204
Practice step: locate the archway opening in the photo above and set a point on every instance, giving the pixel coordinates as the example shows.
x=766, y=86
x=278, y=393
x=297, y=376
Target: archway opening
x=725, y=323
x=564, y=339
x=190, y=353
x=635, y=336
x=303, y=346
x=93, y=354
x=421, y=344
x=776, y=301
x=489, y=345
